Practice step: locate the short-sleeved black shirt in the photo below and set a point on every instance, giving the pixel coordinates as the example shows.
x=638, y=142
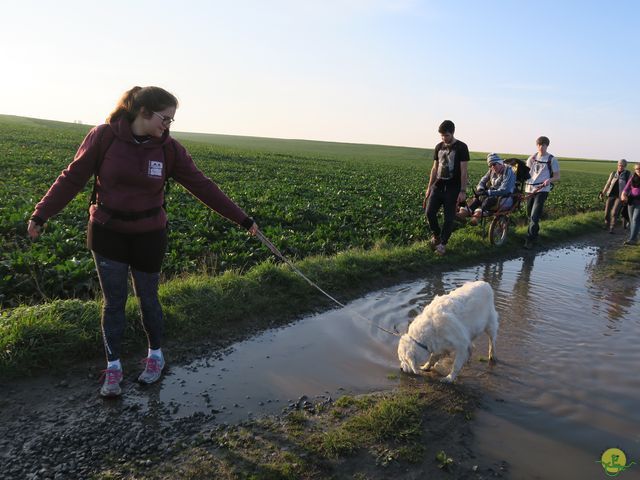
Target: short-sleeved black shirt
x=448, y=159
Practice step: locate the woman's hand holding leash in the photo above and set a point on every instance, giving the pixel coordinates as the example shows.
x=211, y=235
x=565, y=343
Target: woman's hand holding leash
x=33, y=229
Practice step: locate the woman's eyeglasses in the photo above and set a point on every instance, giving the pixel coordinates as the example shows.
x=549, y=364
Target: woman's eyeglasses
x=165, y=120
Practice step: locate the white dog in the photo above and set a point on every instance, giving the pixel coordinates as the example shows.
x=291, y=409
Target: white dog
x=448, y=325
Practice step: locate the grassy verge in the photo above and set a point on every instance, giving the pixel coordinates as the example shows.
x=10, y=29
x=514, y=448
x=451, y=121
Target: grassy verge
x=231, y=305
x=626, y=262
x=373, y=436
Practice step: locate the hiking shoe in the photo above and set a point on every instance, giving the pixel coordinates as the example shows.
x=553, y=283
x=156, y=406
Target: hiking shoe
x=152, y=370
x=441, y=249
x=434, y=242
x=611, y=230
x=111, y=385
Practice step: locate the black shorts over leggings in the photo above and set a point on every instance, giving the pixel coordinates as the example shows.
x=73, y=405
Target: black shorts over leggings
x=141, y=251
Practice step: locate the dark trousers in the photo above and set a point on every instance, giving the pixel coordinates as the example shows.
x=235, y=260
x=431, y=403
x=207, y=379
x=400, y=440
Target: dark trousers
x=113, y=278
x=487, y=203
x=535, y=203
x=447, y=199
x=612, y=210
x=634, y=222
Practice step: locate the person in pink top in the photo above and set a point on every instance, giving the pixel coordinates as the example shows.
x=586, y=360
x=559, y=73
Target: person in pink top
x=132, y=155
x=631, y=195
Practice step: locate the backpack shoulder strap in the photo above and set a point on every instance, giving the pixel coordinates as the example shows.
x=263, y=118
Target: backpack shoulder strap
x=547, y=163
x=170, y=153
x=105, y=139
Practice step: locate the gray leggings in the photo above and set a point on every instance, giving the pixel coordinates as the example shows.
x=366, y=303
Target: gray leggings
x=113, y=278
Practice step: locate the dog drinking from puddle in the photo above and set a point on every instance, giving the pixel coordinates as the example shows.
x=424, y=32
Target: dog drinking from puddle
x=448, y=325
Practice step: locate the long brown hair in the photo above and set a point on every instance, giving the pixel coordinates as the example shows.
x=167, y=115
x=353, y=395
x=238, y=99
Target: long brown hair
x=153, y=99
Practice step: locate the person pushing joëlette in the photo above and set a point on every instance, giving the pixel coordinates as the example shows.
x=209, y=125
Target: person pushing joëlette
x=544, y=170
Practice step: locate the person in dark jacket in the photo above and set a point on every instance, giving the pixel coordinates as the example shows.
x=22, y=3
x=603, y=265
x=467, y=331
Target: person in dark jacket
x=132, y=155
x=611, y=192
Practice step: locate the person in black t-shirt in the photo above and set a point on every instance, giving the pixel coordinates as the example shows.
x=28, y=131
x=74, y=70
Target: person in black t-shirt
x=447, y=185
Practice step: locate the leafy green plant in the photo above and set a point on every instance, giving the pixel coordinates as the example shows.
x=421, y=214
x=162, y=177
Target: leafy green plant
x=443, y=460
x=309, y=198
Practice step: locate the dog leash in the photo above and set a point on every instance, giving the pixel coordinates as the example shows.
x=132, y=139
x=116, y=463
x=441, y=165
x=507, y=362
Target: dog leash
x=267, y=243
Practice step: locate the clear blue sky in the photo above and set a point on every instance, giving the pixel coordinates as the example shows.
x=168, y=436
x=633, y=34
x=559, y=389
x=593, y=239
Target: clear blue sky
x=377, y=71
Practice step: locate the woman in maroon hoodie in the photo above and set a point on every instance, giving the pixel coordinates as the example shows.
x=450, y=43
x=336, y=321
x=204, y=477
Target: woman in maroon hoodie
x=133, y=154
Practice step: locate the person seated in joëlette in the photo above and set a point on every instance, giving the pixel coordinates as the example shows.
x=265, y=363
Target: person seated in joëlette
x=494, y=190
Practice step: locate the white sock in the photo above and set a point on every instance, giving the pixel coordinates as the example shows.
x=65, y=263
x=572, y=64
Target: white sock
x=114, y=364
x=156, y=353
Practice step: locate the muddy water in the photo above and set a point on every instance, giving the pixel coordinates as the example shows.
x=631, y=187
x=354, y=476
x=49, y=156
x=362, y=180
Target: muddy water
x=565, y=389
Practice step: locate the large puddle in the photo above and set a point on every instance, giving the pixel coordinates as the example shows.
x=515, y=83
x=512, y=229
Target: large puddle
x=565, y=389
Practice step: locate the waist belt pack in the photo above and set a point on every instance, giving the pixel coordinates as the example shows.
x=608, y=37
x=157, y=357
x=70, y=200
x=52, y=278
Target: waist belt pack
x=129, y=216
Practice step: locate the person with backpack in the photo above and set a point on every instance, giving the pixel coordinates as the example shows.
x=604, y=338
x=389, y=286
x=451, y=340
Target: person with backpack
x=447, y=185
x=544, y=170
x=131, y=157
x=631, y=196
x=612, y=191
x=494, y=190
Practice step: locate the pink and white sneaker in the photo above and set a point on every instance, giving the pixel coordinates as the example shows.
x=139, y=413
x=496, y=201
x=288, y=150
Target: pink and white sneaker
x=111, y=385
x=152, y=370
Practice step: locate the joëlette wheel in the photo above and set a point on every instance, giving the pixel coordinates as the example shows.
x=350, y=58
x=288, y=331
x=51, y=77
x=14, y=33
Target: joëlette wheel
x=498, y=230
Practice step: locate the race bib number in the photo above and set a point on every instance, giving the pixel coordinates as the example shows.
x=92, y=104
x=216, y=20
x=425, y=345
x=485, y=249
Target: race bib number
x=155, y=169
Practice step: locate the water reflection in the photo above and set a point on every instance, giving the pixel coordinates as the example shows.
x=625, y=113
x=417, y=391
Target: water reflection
x=568, y=382
x=616, y=292
x=521, y=287
x=567, y=350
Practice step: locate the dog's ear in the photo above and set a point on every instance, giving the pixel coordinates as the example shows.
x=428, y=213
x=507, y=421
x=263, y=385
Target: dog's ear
x=412, y=365
x=402, y=354
x=406, y=355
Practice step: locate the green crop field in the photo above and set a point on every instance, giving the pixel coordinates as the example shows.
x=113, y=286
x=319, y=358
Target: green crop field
x=308, y=197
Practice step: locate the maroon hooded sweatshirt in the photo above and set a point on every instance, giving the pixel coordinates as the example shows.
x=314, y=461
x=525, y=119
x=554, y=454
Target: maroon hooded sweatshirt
x=131, y=180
